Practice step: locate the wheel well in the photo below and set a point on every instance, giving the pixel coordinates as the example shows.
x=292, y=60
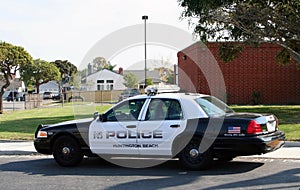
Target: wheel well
x=181, y=141
x=61, y=135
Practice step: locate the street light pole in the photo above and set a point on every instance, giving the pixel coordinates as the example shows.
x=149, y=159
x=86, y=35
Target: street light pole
x=145, y=17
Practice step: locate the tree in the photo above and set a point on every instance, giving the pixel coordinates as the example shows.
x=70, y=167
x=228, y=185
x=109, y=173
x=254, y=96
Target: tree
x=164, y=73
x=130, y=80
x=110, y=66
x=149, y=82
x=99, y=63
x=11, y=58
x=40, y=72
x=66, y=68
x=170, y=78
x=250, y=22
x=26, y=72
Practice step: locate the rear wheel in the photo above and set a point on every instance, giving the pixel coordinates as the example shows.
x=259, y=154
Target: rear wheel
x=66, y=151
x=192, y=158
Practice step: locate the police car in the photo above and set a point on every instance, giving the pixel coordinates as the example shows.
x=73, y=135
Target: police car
x=195, y=128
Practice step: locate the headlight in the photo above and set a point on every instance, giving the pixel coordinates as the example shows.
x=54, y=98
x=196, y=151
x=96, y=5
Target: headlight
x=42, y=134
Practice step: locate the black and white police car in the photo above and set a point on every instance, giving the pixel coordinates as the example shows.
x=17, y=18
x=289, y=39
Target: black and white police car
x=195, y=128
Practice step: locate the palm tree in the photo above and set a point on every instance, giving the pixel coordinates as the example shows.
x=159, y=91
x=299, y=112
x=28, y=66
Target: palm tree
x=110, y=66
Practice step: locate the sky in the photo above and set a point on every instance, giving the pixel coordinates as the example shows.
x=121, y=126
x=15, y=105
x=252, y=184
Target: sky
x=68, y=29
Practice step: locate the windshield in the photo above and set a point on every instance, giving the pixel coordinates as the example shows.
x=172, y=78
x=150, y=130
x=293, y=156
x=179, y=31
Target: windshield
x=213, y=106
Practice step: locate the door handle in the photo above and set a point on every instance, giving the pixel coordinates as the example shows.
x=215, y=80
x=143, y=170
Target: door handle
x=131, y=126
x=175, y=126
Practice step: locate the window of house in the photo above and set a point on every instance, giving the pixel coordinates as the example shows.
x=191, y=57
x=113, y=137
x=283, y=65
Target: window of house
x=109, y=87
x=100, y=87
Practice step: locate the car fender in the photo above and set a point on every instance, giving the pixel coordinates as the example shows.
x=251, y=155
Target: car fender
x=186, y=136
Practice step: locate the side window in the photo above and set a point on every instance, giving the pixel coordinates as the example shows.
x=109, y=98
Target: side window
x=127, y=111
x=164, y=109
x=157, y=110
x=174, y=111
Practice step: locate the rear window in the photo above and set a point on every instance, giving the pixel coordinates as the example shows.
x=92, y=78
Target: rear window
x=213, y=106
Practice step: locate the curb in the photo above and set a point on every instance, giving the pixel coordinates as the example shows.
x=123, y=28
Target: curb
x=18, y=153
x=291, y=150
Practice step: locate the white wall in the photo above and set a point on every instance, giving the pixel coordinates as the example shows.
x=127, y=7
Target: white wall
x=105, y=76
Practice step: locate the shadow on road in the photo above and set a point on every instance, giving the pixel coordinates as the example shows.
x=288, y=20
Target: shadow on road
x=168, y=174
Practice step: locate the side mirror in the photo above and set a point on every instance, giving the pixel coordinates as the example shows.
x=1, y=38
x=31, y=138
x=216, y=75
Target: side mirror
x=96, y=114
x=102, y=117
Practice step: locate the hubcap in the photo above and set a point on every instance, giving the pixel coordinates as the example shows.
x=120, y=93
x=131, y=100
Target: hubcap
x=66, y=151
x=194, y=153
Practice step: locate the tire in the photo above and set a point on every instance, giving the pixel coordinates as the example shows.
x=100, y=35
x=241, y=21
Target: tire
x=66, y=151
x=191, y=158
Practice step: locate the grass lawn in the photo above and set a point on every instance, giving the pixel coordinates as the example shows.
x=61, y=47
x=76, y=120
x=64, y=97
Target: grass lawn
x=21, y=125
x=289, y=117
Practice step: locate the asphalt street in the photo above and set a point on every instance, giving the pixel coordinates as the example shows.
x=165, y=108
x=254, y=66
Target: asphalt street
x=12, y=106
x=41, y=172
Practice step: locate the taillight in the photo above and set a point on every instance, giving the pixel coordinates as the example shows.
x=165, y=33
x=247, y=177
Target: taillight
x=254, y=127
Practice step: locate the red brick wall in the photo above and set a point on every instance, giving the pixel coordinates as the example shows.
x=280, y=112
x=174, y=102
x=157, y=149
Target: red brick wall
x=255, y=70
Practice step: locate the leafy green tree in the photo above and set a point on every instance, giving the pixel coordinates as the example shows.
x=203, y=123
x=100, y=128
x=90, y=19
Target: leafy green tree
x=11, y=58
x=40, y=72
x=110, y=66
x=248, y=21
x=149, y=82
x=66, y=68
x=130, y=80
x=170, y=78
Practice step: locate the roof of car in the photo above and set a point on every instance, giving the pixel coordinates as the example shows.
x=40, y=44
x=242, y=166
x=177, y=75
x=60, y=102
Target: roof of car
x=170, y=95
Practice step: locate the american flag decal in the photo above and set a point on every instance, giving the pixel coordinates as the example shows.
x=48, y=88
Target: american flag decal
x=233, y=130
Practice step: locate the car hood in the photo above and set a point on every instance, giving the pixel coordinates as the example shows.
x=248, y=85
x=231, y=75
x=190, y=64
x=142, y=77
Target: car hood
x=73, y=122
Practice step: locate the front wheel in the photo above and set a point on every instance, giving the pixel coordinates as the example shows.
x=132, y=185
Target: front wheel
x=66, y=151
x=192, y=158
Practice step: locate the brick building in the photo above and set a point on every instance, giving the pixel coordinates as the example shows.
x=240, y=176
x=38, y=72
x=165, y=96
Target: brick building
x=253, y=77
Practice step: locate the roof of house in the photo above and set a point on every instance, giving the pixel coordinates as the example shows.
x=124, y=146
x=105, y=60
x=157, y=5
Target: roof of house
x=16, y=83
x=103, y=72
x=140, y=75
x=49, y=85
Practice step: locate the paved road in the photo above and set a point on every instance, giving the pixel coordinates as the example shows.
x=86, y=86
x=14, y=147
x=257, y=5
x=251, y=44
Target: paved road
x=41, y=172
x=18, y=105
x=11, y=106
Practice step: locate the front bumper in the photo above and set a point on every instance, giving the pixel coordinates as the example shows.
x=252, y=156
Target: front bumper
x=42, y=146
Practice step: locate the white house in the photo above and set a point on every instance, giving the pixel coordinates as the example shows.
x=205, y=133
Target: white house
x=15, y=85
x=105, y=80
x=51, y=86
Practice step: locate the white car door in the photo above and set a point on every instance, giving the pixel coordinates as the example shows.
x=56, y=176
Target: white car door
x=162, y=122
x=116, y=132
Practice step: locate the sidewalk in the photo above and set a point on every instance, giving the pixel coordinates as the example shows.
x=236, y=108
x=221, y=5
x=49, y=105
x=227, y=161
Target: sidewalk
x=17, y=148
x=291, y=150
